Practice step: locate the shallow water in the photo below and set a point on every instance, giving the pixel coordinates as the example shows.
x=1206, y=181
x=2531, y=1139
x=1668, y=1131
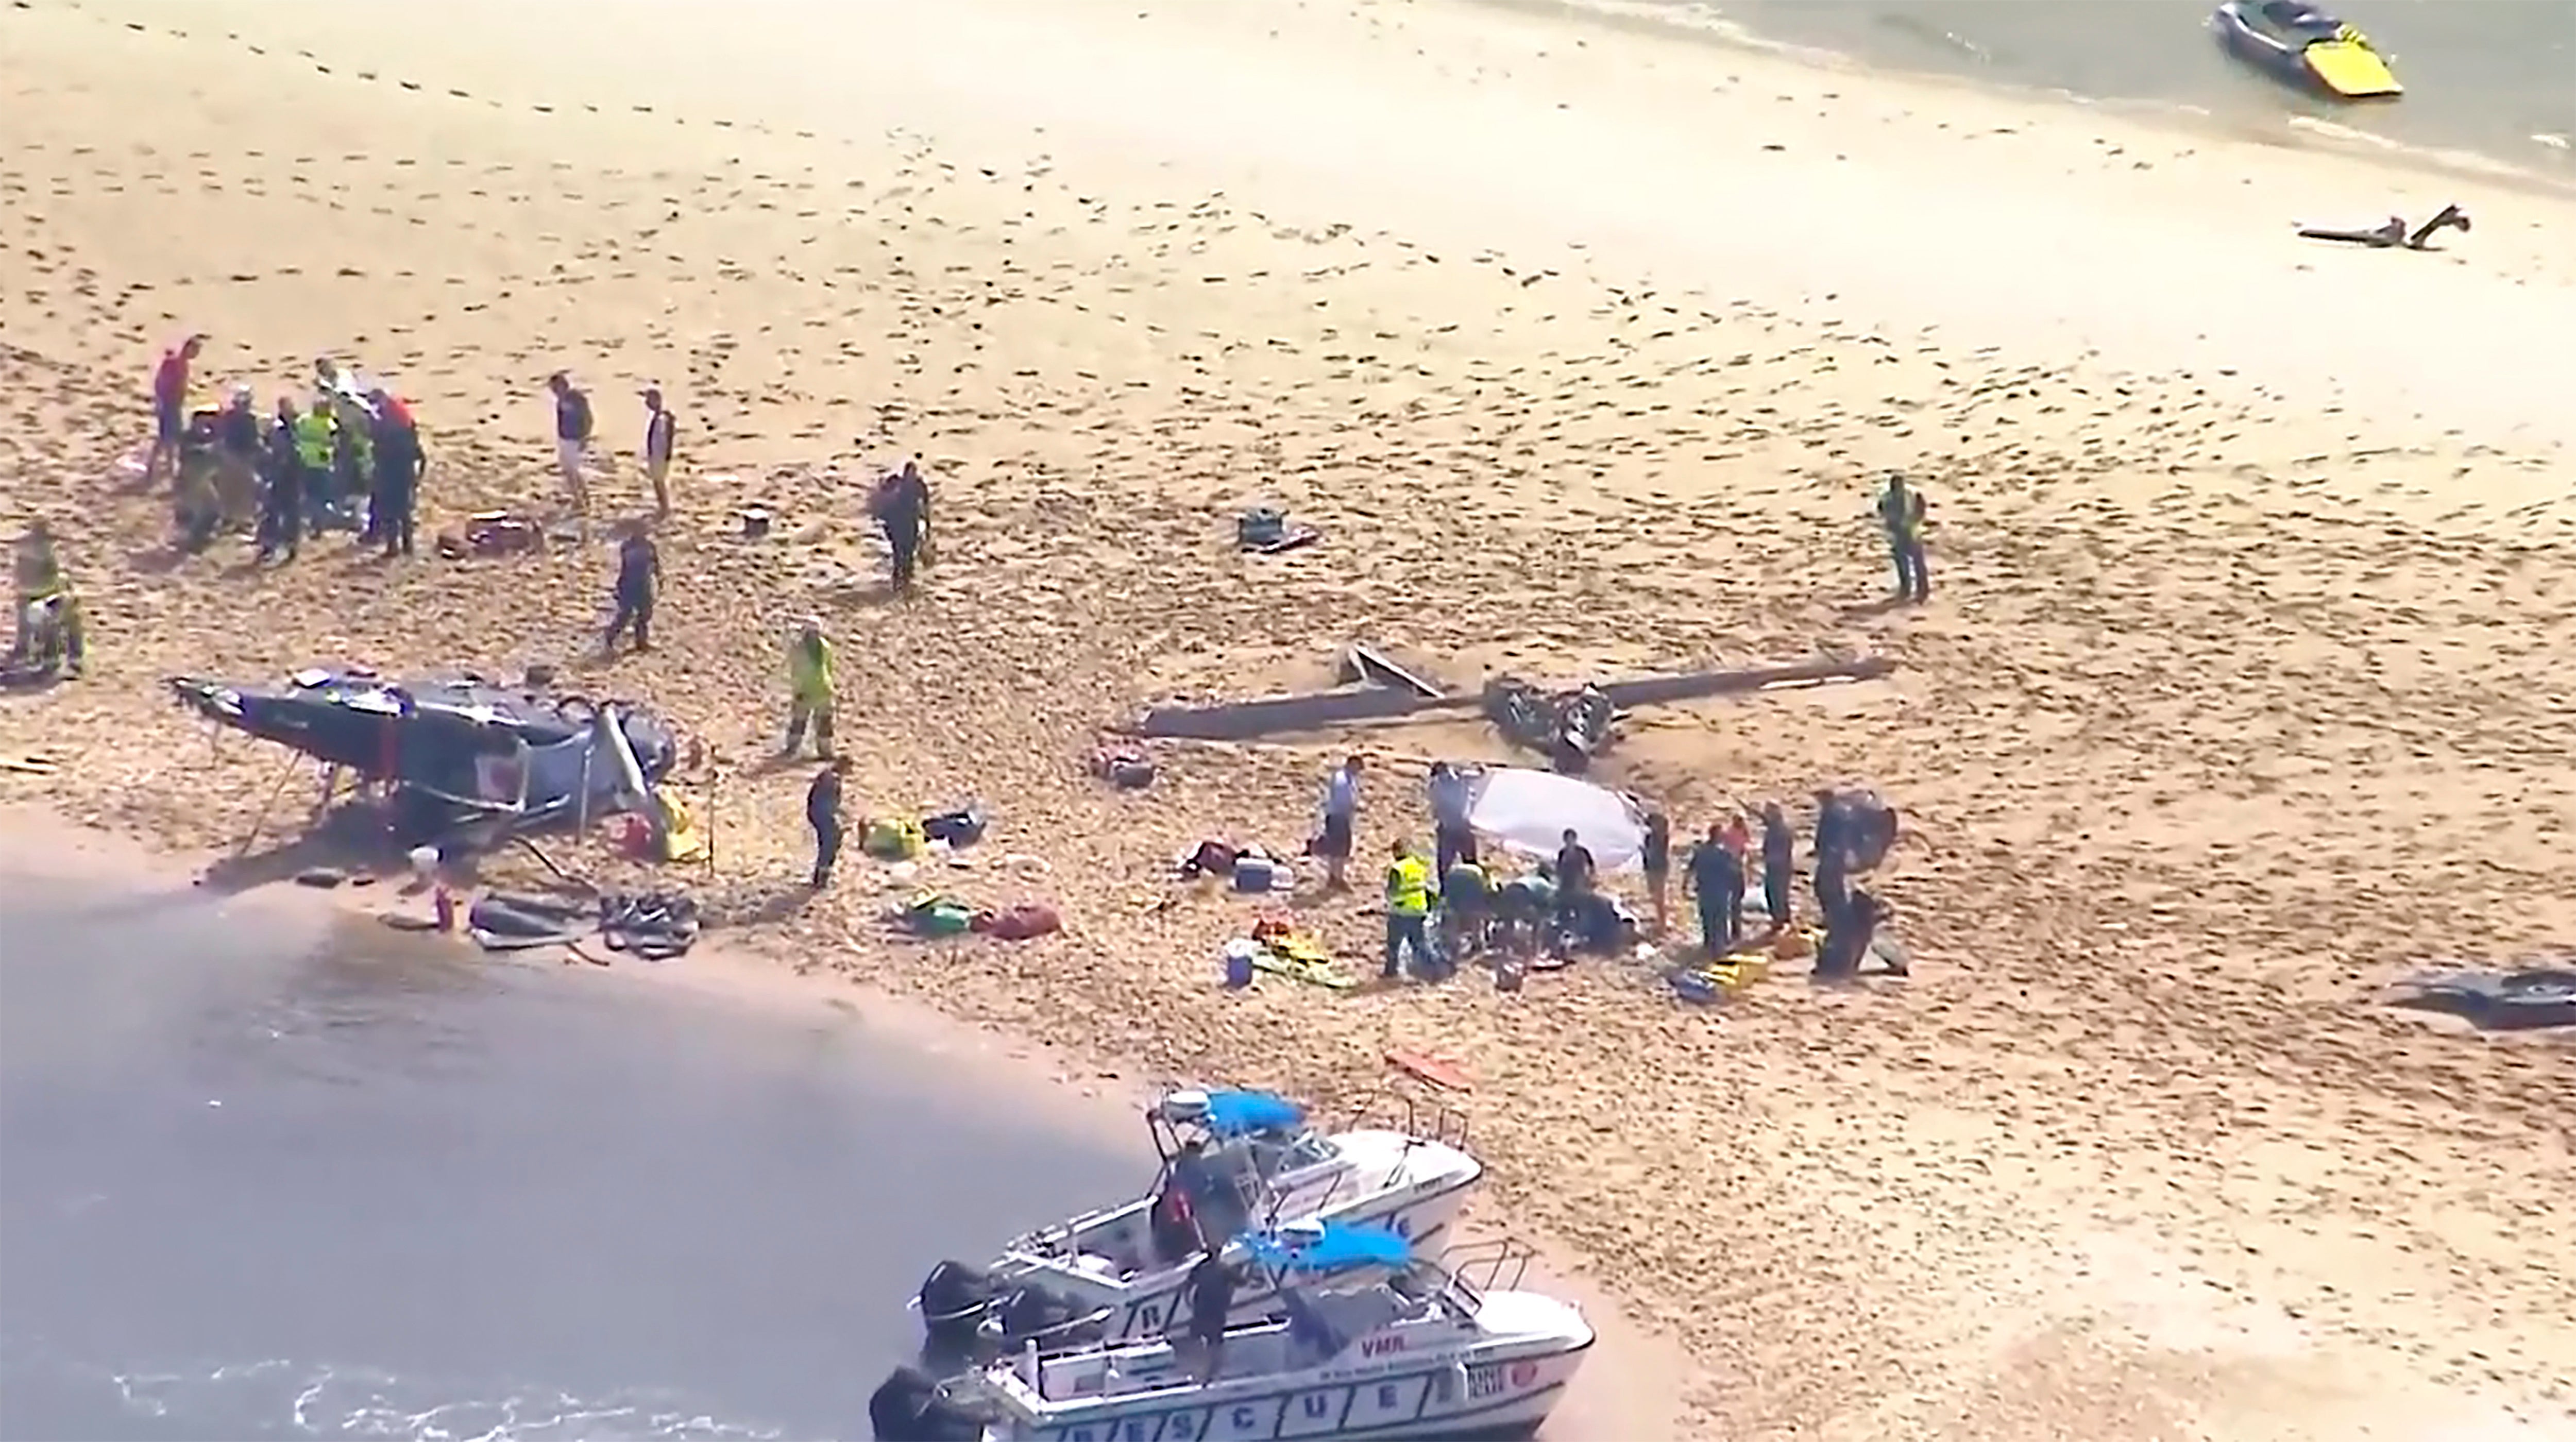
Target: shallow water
x=2496, y=77
x=256, y=1183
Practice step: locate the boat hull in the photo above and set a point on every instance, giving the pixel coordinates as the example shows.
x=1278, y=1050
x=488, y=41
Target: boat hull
x=1505, y=1398
x=2334, y=69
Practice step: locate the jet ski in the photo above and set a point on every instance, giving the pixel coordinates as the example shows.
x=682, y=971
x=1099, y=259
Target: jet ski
x=2301, y=45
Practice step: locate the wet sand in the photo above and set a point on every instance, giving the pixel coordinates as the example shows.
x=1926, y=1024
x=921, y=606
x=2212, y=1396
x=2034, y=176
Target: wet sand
x=2233, y=700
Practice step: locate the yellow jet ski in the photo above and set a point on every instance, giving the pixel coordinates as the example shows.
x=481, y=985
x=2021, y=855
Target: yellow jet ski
x=2301, y=45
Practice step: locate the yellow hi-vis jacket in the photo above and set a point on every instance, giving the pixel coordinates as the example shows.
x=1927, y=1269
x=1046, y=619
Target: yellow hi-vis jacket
x=314, y=441
x=1408, y=886
x=809, y=669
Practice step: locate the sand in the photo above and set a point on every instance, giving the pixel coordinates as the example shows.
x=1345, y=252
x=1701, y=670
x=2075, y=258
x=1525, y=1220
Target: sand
x=2237, y=696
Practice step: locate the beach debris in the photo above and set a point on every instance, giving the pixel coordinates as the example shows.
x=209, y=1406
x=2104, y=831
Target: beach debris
x=1362, y=663
x=1314, y=711
x=1267, y=531
x=1123, y=767
x=2527, y=999
x=321, y=878
x=2393, y=235
x=651, y=926
x=1569, y=729
x=1440, y=1072
x=492, y=534
x=30, y=764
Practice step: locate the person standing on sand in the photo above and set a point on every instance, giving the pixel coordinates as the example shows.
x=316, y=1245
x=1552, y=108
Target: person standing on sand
x=170, y=405
x=573, y=428
x=809, y=686
x=1341, y=822
x=1779, y=863
x=1576, y=875
x=395, y=498
x=1901, y=515
x=661, y=441
x=823, y=816
x=1408, y=912
x=639, y=575
x=1655, y=856
x=1717, y=887
x=281, y=510
x=1450, y=795
x=902, y=508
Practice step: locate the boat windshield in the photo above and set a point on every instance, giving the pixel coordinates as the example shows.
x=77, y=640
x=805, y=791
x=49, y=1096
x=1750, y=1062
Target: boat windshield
x=2302, y=20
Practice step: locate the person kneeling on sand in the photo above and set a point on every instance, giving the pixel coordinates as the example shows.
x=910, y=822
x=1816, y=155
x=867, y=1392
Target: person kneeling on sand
x=49, y=623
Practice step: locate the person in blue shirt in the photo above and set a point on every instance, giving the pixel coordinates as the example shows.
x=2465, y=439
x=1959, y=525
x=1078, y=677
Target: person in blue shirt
x=1452, y=838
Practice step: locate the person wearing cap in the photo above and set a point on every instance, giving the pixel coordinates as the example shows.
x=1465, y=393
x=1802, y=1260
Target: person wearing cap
x=572, y=438
x=809, y=685
x=661, y=438
x=902, y=507
x=1901, y=514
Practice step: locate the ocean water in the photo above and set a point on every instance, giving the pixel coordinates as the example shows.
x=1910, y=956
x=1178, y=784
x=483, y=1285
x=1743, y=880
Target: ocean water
x=355, y=1184
x=2486, y=78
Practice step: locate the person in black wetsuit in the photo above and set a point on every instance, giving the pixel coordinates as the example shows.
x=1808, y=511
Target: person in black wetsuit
x=1779, y=863
x=281, y=515
x=902, y=507
x=823, y=815
x=1210, y=1292
x=639, y=576
x=1717, y=885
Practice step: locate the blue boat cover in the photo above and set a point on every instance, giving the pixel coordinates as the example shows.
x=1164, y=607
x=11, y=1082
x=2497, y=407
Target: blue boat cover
x=1330, y=1247
x=1240, y=1113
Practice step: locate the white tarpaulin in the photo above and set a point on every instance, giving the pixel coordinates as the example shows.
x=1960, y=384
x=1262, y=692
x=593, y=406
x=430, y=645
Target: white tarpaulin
x=1530, y=812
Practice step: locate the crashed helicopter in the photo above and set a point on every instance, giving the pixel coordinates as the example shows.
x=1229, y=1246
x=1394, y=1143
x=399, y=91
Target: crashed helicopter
x=457, y=757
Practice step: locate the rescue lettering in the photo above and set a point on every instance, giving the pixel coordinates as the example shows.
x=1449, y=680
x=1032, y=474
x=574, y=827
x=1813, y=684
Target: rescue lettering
x=1317, y=1404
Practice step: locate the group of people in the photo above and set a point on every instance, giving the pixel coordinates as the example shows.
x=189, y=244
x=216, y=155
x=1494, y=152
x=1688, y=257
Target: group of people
x=347, y=449
x=1450, y=906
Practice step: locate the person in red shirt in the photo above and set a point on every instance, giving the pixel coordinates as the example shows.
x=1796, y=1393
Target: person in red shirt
x=170, y=405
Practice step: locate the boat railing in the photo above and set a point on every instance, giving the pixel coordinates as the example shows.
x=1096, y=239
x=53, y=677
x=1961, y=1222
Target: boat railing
x=1495, y=1264
x=1392, y=1110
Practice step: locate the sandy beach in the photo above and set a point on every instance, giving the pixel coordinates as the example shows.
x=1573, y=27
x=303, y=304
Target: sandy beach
x=2238, y=693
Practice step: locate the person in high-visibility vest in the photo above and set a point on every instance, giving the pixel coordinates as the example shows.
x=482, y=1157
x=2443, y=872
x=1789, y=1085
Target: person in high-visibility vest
x=1901, y=514
x=1408, y=909
x=315, y=445
x=809, y=685
x=48, y=632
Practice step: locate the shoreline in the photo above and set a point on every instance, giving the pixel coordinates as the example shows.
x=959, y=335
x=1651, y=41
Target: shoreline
x=2539, y=163
x=1616, y=1397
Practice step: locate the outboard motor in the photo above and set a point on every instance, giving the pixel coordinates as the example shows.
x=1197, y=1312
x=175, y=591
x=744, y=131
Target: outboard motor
x=955, y=1299
x=906, y=1407
x=1032, y=1314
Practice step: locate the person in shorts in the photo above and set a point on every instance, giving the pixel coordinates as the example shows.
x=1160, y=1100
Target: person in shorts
x=573, y=428
x=1332, y=841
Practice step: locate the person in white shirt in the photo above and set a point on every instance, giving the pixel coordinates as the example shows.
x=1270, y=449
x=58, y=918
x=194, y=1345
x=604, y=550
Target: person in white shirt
x=1341, y=819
